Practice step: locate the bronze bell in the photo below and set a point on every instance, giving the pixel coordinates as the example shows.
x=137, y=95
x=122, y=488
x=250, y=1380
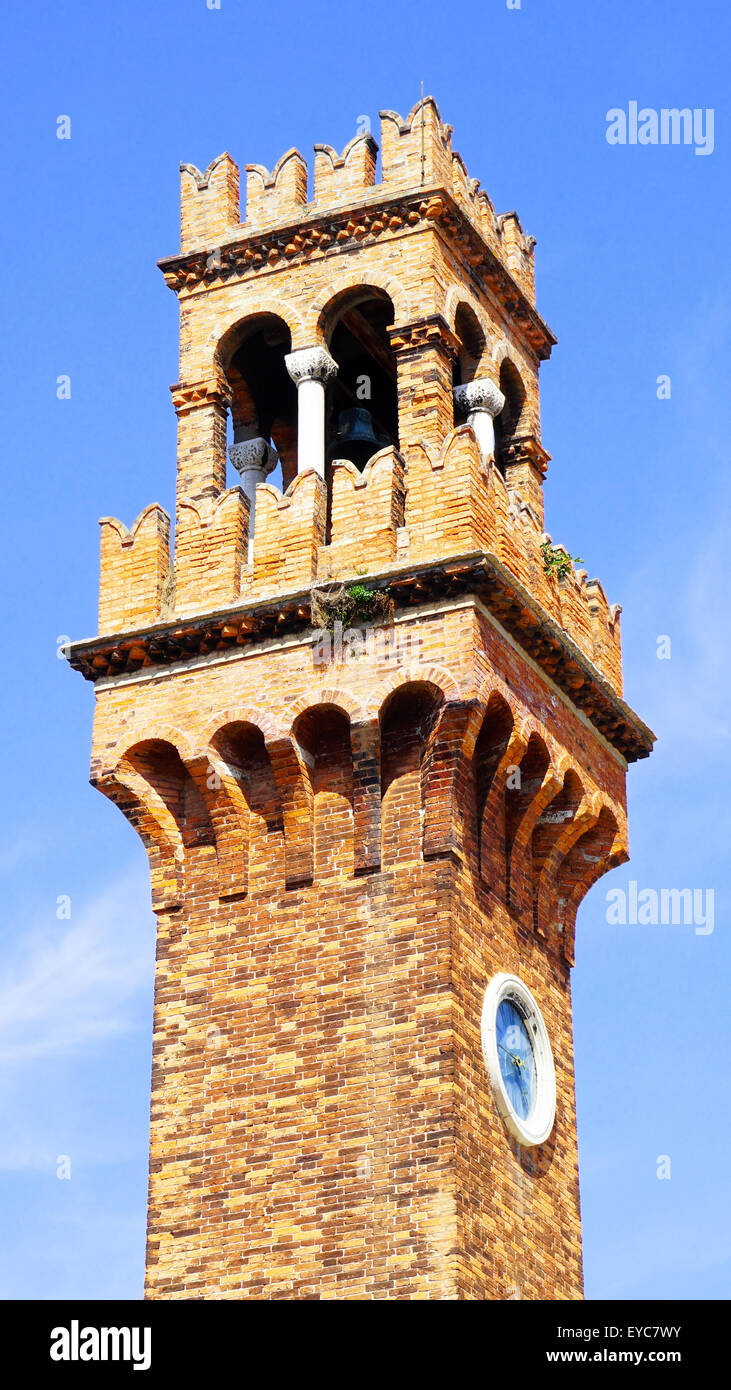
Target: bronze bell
x=356, y=438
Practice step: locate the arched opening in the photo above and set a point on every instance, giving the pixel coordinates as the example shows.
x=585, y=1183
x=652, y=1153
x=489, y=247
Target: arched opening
x=242, y=747
x=508, y=423
x=362, y=400
x=161, y=766
x=471, y=341
x=323, y=734
x=520, y=792
x=489, y=795
x=264, y=397
x=549, y=829
x=407, y=719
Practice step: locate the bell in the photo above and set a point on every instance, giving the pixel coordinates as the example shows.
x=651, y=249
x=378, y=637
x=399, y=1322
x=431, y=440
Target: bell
x=356, y=438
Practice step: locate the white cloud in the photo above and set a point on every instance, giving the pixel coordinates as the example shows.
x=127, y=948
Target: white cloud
x=684, y=697
x=70, y=984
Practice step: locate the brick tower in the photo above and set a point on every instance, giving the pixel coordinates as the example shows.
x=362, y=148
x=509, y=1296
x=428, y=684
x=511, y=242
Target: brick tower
x=370, y=734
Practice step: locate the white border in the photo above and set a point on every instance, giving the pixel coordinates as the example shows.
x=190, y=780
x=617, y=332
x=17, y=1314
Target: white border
x=537, y=1127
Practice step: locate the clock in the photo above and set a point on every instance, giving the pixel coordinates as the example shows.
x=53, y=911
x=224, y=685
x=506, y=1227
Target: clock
x=519, y=1060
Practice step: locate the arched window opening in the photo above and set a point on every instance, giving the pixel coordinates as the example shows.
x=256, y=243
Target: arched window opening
x=323, y=735
x=245, y=753
x=407, y=720
x=471, y=340
x=362, y=400
x=489, y=798
x=509, y=422
x=264, y=397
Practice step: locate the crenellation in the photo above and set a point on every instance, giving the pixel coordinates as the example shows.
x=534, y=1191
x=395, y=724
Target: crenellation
x=289, y=529
x=518, y=252
x=209, y=202
x=416, y=151
x=606, y=632
x=134, y=569
x=276, y=195
x=210, y=550
x=345, y=177
x=366, y=512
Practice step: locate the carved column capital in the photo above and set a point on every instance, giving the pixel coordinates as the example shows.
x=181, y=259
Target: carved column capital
x=310, y=364
x=253, y=455
x=482, y=394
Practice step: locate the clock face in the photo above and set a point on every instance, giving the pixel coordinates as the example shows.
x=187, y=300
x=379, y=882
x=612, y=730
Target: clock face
x=519, y=1059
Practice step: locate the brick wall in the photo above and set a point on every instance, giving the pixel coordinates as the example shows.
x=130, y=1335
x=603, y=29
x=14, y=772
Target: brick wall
x=322, y=1124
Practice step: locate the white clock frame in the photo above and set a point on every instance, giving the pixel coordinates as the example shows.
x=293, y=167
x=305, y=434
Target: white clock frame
x=536, y=1128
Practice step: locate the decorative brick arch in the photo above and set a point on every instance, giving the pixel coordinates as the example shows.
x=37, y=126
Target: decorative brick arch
x=602, y=846
x=237, y=714
x=437, y=676
x=321, y=306
x=329, y=695
x=498, y=717
x=492, y=685
x=150, y=731
x=529, y=724
x=152, y=797
x=550, y=843
x=225, y=326
x=457, y=297
x=156, y=828
x=503, y=352
x=531, y=799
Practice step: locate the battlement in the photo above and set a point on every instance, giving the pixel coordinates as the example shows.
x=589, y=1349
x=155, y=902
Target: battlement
x=367, y=513
x=415, y=153
x=271, y=197
x=338, y=178
x=210, y=551
x=288, y=532
x=135, y=569
x=209, y=202
x=430, y=506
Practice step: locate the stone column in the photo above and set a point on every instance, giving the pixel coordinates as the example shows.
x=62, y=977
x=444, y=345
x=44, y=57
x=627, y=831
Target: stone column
x=254, y=460
x=310, y=370
x=482, y=400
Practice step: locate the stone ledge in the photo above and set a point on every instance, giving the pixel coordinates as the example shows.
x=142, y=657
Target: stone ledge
x=479, y=573
x=245, y=251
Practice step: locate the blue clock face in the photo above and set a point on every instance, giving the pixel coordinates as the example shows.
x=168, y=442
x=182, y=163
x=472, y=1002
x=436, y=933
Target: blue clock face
x=517, y=1058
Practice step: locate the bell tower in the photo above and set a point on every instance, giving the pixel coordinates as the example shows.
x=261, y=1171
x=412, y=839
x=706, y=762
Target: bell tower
x=368, y=723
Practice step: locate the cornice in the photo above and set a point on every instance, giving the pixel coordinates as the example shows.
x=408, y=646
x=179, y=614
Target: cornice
x=327, y=231
x=185, y=639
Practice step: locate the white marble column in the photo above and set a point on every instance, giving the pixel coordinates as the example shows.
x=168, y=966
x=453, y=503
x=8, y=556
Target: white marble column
x=483, y=401
x=254, y=460
x=311, y=369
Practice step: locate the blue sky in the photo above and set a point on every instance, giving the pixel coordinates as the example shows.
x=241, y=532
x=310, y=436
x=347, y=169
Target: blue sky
x=633, y=276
